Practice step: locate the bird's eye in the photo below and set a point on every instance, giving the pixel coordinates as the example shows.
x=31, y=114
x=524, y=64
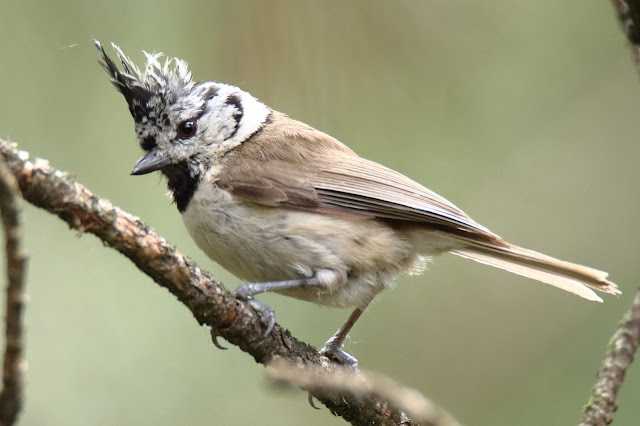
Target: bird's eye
x=186, y=129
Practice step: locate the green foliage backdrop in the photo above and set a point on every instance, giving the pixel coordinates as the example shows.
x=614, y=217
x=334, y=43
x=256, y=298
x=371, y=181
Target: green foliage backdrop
x=525, y=114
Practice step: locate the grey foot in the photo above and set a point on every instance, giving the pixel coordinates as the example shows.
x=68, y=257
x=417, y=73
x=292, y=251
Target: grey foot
x=267, y=314
x=246, y=291
x=340, y=355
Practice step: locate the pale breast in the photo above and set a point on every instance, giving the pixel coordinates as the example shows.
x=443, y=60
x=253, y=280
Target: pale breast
x=258, y=243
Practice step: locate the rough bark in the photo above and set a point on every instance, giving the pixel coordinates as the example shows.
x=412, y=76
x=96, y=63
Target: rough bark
x=622, y=348
x=12, y=368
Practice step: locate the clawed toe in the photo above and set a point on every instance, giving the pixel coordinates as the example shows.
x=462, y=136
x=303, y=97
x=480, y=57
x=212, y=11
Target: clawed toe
x=311, y=403
x=340, y=355
x=214, y=339
x=267, y=314
x=242, y=292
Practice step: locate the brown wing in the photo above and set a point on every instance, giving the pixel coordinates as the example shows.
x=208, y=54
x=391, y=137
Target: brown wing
x=360, y=184
x=293, y=165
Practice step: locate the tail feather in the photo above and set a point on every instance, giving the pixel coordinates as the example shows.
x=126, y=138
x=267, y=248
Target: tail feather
x=568, y=276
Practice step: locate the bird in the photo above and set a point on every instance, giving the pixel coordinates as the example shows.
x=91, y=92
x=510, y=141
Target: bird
x=292, y=210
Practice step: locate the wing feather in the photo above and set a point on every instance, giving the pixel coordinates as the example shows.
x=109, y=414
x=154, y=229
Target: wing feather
x=350, y=185
x=292, y=165
x=355, y=182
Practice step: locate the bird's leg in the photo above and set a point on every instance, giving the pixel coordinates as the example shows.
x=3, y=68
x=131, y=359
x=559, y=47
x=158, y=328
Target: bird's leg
x=247, y=291
x=333, y=347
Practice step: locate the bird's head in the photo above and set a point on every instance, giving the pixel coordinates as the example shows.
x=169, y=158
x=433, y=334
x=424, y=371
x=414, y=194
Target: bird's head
x=179, y=121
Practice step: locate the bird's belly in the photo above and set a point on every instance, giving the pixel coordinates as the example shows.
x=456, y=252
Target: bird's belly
x=258, y=243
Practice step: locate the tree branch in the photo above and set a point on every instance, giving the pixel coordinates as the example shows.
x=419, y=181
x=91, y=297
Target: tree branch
x=209, y=302
x=624, y=343
x=11, y=396
x=364, y=384
x=622, y=348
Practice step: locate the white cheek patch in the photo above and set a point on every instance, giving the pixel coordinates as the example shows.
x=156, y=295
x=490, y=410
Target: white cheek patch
x=254, y=116
x=233, y=115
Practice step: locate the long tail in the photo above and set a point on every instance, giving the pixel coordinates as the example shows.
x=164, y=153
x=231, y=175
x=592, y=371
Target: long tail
x=565, y=275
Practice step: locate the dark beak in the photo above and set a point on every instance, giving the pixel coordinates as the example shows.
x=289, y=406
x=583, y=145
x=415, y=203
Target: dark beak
x=150, y=163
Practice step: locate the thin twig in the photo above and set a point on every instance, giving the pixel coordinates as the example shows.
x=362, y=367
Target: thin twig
x=363, y=384
x=11, y=396
x=624, y=343
x=622, y=348
x=209, y=302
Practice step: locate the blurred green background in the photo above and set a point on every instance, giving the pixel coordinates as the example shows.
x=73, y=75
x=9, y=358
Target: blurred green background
x=525, y=114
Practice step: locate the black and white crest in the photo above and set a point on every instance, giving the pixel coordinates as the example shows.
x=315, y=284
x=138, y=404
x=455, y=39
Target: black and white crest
x=162, y=97
x=183, y=126
x=156, y=84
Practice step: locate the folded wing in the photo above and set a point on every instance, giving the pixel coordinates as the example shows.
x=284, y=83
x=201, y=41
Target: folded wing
x=350, y=185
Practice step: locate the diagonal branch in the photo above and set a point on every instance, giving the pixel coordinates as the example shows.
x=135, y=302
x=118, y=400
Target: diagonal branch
x=208, y=300
x=363, y=384
x=622, y=348
x=624, y=343
x=11, y=396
